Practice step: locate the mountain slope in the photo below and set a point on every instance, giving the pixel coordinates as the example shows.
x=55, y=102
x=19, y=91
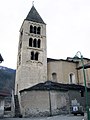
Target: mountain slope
x=7, y=79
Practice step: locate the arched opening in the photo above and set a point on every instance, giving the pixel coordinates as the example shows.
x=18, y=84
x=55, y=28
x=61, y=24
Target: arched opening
x=31, y=29
x=21, y=33
x=19, y=59
x=39, y=30
x=36, y=55
x=72, y=78
x=30, y=42
x=20, y=44
x=35, y=43
x=54, y=77
x=35, y=30
x=39, y=42
x=32, y=55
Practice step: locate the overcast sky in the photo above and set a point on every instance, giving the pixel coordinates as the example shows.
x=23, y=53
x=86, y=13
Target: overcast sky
x=68, y=27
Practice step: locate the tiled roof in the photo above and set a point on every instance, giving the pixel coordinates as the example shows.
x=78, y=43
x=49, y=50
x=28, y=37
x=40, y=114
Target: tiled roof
x=85, y=66
x=4, y=93
x=34, y=16
x=54, y=60
x=48, y=85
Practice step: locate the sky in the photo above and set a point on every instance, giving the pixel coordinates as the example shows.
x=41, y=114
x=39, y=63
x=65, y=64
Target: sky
x=67, y=25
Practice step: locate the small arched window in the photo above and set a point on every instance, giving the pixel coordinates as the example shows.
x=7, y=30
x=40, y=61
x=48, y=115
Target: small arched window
x=19, y=59
x=21, y=33
x=32, y=55
x=20, y=45
x=36, y=56
x=39, y=30
x=54, y=77
x=30, y=42
x=39, y=42
x=72, y=78
x=35, y=43
x=31, y=29
x=35, y=29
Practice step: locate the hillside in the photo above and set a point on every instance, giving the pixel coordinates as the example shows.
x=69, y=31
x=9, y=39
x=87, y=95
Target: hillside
x=7, y=79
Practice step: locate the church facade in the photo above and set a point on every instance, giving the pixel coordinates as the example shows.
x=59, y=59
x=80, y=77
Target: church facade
x=43, y=84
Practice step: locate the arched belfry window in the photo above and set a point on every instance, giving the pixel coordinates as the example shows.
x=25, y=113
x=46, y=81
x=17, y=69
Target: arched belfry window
x=31, y=29
x=35, y=43
x=32, y=55
x=30, y=42
x=35, y=29
x=72, y=78
x=39, y=42
x=39, y=30
x=36, y=55
x=54, y=77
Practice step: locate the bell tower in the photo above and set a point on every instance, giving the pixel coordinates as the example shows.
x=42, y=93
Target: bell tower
x=32, y=52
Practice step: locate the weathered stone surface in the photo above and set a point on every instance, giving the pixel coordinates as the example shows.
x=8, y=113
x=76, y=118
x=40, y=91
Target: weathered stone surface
x=44, y=103
x=30, y=72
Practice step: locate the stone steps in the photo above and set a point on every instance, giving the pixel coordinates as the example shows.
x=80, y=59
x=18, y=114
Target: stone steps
x=17, y=106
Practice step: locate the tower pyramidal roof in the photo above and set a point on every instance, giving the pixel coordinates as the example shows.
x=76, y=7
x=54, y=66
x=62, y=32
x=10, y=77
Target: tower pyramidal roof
x=34, y=16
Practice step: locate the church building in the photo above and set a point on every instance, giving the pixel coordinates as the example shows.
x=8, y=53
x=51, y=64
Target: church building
x=45, y=86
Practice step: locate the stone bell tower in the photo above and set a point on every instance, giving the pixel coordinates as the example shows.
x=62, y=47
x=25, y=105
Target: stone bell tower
x=32, y=52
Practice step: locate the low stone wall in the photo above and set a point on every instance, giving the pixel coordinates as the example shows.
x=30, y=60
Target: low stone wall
x=44, y=103
x=59, y=102
x=34, y=103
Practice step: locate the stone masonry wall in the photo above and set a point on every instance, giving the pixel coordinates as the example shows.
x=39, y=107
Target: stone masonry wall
x=30, y=72
x=62, y=69
x=44, y=103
